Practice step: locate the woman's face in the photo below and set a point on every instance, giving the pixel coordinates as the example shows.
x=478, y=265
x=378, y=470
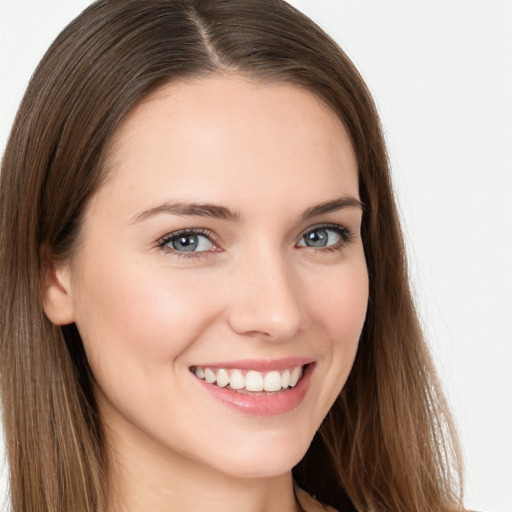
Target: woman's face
x=225, y=243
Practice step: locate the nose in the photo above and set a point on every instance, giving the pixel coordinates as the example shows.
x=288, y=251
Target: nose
x=267, y=300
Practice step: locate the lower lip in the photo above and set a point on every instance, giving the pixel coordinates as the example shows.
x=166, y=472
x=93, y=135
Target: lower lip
x=263, y=405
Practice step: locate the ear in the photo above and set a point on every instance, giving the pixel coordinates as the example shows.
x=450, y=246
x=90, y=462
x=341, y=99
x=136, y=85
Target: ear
x=57, y=299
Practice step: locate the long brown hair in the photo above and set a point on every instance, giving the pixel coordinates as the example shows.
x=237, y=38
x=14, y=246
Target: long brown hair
x=388, y=443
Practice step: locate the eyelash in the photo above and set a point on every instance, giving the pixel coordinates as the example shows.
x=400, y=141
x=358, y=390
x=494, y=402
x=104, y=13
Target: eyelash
x=344, y=234
x=167, y=239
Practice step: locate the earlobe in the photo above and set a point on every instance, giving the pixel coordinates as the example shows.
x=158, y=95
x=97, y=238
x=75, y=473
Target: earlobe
x=57, y=300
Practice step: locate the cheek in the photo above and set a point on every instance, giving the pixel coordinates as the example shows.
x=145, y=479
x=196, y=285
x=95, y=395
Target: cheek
x=337, y=302
x=139, y=315
x=340, y=303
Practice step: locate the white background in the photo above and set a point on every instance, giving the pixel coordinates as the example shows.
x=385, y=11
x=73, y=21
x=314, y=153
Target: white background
x=441, y=74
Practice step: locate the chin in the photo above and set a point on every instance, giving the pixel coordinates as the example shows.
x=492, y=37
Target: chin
x=262, y=459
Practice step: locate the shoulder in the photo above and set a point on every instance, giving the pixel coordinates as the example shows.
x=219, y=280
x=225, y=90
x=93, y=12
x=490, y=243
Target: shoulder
x=309, y=504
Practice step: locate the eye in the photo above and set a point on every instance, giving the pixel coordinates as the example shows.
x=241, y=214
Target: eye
x=324, y=237
x=188, y=241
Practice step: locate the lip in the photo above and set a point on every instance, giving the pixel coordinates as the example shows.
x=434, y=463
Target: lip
x=271, y=404
x=260, y=365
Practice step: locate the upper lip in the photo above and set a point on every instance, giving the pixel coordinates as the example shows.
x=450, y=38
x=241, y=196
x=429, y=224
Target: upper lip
x=261, y=365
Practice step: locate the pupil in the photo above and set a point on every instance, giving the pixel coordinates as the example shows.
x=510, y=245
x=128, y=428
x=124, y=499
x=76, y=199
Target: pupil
x=317, y=238
x=185, y=243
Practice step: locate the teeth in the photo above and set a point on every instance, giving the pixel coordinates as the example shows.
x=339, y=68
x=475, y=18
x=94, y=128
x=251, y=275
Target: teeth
x=295, y=376
x=285, y=379
x=222, y=378
x=237, y=380
x=209, y=376
x=252, y=380
x=272, y=381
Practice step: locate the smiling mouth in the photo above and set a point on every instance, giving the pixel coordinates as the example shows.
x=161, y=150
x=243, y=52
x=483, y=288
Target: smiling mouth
x=251, y=381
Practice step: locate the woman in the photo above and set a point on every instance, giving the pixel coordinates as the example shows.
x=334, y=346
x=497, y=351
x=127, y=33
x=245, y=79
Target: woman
x=205, y=295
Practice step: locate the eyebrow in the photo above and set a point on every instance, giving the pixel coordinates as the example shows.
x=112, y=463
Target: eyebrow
x=223, y=213
x=186, y=208
x=332, y=206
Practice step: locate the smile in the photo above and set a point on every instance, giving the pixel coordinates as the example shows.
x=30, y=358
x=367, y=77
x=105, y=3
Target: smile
x=247, y=381
x=257, y=387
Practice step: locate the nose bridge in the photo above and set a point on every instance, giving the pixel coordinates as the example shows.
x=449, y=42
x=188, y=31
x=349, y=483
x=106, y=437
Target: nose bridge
x=267, y=299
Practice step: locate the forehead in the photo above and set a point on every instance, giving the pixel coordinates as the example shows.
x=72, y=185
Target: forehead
x=222, y=134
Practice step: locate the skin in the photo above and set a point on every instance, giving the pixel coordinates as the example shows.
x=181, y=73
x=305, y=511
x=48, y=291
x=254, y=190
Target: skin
x=147, y=313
